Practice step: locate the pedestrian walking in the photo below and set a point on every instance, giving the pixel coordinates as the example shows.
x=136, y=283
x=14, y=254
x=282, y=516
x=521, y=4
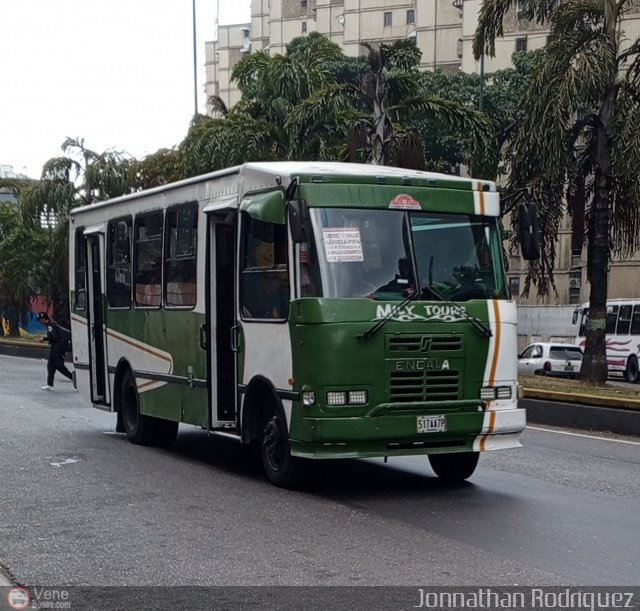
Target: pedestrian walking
x=59, y=340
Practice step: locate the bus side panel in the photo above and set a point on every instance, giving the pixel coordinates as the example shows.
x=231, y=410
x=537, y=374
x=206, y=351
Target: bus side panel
x=161, y=346
x=266, y=352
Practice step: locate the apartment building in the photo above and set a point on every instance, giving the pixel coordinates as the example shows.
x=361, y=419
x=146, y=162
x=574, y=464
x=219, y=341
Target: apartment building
x=435, y=26
x=443, y=30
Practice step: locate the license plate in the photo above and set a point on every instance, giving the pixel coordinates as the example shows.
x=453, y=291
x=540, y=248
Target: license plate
x=431, y=424
x=568, y=367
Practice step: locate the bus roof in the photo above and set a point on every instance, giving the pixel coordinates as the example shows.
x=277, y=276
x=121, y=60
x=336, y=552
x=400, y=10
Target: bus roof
x=312, y=171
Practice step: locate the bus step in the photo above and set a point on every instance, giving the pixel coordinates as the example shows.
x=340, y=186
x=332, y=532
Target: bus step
x=228, y=433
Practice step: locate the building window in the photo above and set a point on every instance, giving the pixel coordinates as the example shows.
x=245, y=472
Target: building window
x=411, y=16
x=180, y=256
x=303, y=4
x=514, y=285
x=148, y=259
x=521, y=45
x=304, y=27
x=388, y=20
x=119, y=263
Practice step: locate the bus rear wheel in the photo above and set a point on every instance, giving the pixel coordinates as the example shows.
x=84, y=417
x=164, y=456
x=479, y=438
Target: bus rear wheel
x=454, y=467
x=282, y=469
x=141, y=429
x=632, y=372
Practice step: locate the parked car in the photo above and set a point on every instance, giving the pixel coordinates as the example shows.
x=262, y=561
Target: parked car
x=543, y=358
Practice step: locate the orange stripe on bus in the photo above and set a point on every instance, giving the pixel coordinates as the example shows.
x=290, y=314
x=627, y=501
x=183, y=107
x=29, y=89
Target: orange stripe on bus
x=496, y=343
x=138, y=346
x=492, y=424
x=481, y=193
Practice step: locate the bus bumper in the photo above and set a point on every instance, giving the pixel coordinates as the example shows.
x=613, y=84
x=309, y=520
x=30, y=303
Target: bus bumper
x=396, y=435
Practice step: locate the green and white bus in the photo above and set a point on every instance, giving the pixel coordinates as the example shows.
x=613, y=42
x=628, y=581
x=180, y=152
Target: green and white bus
x=320, y=310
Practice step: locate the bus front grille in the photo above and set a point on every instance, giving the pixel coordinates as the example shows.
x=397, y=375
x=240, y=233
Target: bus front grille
x=424, y=343
x=411, y=386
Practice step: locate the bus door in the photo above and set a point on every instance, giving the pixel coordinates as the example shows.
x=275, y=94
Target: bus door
x=96, y=319
x=221, y=329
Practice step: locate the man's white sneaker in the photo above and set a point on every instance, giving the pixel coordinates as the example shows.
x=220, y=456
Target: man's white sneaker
x=46, y=387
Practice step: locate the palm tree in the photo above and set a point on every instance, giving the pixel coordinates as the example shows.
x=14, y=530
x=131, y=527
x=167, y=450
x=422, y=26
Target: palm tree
x=316, y=104
x=255, y=129
x=377, y=109
x=79, y=178
x=579, y=136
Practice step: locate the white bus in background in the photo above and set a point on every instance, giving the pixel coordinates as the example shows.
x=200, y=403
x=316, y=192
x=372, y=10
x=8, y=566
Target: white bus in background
x=623, y=335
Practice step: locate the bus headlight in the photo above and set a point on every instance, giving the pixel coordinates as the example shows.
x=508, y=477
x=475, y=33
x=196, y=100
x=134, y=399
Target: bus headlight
x=347, y=397
x=308, y=398
x=358, y=397
x=489, y=393
x=337, y=397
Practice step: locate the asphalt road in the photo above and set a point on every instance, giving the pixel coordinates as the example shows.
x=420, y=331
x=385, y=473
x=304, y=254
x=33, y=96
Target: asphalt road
x=82, y=506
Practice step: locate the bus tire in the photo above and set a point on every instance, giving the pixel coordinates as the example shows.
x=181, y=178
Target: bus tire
x=281, y=469
x=454, y=467
x=141, y=429
x=632, y=372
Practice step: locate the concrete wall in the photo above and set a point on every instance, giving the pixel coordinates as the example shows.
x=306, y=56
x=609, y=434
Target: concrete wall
x=545, y=323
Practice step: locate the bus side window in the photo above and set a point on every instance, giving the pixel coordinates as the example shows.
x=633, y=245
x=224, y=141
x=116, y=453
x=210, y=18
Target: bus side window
x=612, y=319
x=180, y=256
x=264, y=273
x=119, y=263
x=148, y=259
x=624, y=320
x=80, y=301
x=635, y=320
x=583, y=322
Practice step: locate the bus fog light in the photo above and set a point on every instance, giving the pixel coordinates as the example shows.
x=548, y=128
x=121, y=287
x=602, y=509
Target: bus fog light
x=487, y=393
x=503, y=392
x=308, y=398
x=358, y=397
x=337, y=398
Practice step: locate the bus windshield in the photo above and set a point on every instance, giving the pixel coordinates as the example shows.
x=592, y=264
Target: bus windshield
x=386, y=254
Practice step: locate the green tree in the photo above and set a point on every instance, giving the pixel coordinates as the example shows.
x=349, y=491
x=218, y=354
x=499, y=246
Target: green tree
x=579, y=137
x=379, y=108
x=22, y=253
x=256, y=128
x=81, y=177
x=315, y=103
x=446, y=144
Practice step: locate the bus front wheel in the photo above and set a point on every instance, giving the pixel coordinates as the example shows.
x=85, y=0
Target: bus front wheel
x=632, y=372
x=454, y=467
x=141, y=429
x=282, y=469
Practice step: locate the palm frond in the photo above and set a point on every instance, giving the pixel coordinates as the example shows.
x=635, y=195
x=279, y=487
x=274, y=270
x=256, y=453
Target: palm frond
x=491, y=18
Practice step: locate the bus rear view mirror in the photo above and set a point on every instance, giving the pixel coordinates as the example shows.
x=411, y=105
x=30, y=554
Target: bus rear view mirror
x=529, y=230
x=299, y=221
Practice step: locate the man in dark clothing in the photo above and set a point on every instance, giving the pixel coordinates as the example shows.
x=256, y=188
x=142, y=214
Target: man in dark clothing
x=59, y=340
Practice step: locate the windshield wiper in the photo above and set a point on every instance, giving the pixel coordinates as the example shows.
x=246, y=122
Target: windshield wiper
x=478, y=325
x=371, y=331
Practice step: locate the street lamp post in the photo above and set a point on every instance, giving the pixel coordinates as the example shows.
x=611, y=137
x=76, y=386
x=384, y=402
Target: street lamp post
x=481, y=89
x=195, y=62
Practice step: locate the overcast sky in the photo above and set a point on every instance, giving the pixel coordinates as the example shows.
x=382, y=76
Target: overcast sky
x=118, y=73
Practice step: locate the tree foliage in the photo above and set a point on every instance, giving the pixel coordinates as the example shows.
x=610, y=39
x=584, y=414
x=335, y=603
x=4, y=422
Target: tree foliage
x=80, y=177
x=316, y=103
x=577, y=142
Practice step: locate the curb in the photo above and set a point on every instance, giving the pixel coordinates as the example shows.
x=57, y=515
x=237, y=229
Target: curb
x=24, y=349
x=585, y=417
x=595, y=400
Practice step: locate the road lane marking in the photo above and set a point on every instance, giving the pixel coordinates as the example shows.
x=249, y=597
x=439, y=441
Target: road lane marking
x=66, y=461
x=536, y=428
